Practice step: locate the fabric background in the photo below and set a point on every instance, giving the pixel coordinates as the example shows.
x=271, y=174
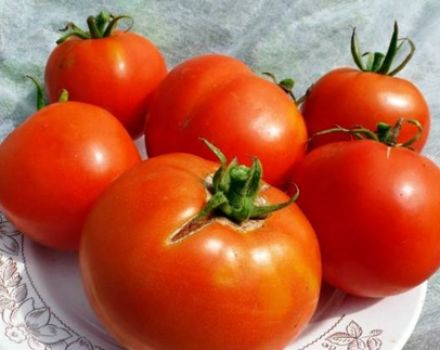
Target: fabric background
x=298, y=38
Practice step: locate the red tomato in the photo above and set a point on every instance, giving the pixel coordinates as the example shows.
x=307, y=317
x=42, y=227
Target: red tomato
x=349, y=97
x=223, y=286
x=56, y=164
x=119, y=73
x=219, y=98
x=375, y=210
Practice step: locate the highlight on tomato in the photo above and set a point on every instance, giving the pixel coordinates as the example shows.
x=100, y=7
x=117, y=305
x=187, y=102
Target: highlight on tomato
x=368, y=95
x=56, y=164
x=181, y=253
x=374, y=204
x=117, y=70
x=219, y=98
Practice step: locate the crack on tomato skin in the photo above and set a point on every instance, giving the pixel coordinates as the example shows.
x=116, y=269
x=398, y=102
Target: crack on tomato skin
x=188, y=229
x=244, y=227
x=193, y=226
x=196, y=224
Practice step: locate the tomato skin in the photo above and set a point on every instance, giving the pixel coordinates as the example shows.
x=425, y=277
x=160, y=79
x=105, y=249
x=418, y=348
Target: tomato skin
x=56, y=164
x=375, y=211
x=217, y=288
x=349, y=98
x=118, y=73
x=219, y=98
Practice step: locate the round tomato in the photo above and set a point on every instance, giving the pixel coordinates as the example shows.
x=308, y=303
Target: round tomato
x=160, y=277
x=219, y=98
x=375, y=210
x=56, y=164
x=349, y=97
x=116, y=70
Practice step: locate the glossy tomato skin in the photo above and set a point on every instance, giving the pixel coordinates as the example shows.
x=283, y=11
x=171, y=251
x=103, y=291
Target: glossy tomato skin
x=375, y=211
x=219, y=98
x=218, y=288
x=349, y=98
x=118, y=73
x=56, y=164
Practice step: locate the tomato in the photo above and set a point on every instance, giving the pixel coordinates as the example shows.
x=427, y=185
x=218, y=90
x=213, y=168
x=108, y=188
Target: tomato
x=375, y=210
x=219, y=98
x=118, y=72
x=158, y=279
x=348, y=97
x=56, y=164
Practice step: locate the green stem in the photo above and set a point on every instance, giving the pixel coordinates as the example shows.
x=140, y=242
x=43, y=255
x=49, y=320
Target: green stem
x=398, y=126
x=235, y=190
x=384, y=133
x=81, y=35
x=355, y=50
x=214, y=202
x=286, y=85
x=358, y=132
x=64, y=96
x=40, y=102
x=100, y=26
x=101, y=21
x=114, y=22
x=407, y=58
x=391, y=52
x=263, y=211
x=378, y=62
x=93, y=28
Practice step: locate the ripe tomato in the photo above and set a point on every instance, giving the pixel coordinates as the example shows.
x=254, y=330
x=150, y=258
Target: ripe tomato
x=350, y=97
x=118, y=72
x=157, y=279
x=219, y=98
x=375, y=210
x=56, y=164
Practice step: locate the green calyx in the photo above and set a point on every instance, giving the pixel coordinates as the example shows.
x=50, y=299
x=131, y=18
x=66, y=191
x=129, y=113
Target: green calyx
x=100, y=26
x=378, y=62
x=286, y=85
x=234, y=191
x=384, y=133
x=40, y=100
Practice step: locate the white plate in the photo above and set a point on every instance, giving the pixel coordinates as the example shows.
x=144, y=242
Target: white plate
x=42, y=302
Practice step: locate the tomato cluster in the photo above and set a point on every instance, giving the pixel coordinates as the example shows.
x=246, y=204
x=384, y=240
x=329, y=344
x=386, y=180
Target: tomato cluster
x=208, y=255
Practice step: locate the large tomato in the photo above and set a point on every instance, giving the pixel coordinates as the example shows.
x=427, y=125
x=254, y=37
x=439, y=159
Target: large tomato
x=56, y=164
x=219, y=98
x=116, y=70
x=158, y=278
x=348, y=97
x=376, y=211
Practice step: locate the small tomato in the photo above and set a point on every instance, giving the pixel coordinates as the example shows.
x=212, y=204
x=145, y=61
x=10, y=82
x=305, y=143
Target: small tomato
x=116, y=70
x=56, y=164
x=349, y=97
